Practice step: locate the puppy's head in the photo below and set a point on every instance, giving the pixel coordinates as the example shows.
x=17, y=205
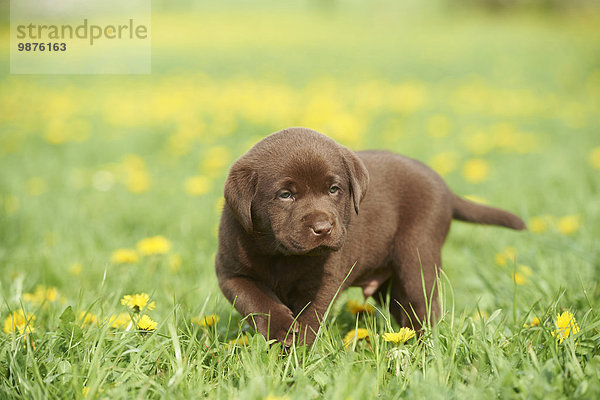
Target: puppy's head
x=297, y=188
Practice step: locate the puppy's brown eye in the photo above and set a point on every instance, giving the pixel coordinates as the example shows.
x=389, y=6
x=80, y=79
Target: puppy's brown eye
x=334, y=189
x=285, y=195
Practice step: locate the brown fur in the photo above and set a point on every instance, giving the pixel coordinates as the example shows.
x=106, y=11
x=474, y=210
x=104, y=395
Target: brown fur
x=284, y=258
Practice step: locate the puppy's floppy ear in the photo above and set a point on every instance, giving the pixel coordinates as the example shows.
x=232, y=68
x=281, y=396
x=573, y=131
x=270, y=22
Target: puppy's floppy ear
x=240, y=189
x=358, y=176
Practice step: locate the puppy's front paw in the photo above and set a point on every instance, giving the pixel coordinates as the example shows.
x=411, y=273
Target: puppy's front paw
x=279, y=324
x=283, y=327
x=308, y=328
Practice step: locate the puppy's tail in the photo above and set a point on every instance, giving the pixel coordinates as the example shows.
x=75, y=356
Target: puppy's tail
x=468, y=211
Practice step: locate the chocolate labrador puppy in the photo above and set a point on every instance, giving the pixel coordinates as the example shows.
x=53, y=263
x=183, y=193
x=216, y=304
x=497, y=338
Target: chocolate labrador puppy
x=299, y=226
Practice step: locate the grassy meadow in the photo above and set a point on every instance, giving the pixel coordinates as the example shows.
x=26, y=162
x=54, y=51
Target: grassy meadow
x=111, y=191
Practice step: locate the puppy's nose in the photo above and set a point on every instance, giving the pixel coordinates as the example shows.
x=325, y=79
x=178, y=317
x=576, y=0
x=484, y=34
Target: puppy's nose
x=321, y=228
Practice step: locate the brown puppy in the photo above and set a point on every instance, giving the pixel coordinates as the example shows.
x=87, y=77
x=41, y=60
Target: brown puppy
x=298, y=218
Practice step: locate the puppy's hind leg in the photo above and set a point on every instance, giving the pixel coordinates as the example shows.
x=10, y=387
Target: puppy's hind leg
x=413, y=290
x=389, y=295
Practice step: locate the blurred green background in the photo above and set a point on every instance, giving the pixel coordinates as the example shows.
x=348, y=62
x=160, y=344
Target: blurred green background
x=500, y=97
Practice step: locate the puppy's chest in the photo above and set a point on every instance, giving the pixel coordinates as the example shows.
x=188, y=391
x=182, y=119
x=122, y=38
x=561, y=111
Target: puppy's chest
x=289, y=276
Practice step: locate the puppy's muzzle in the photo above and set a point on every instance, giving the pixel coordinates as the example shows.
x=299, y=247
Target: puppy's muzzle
x=321, y=228
x=318, y=225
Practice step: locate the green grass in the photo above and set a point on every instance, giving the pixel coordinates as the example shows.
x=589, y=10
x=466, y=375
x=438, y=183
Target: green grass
x=521, y=92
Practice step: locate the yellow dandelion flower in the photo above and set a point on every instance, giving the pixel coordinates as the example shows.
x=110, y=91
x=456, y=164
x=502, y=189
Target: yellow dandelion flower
x=354, y=307
x=154, y=245
x=11, y=204
x=181, y=141
x=18, y=322
x=174, y=262
x=241, y=341
x=124, y=256
x=565, y=325
x=138, y=181
x=539, y=224
x=118, y=321
x=569, y=224
x=87, y=318
x=525, y=270
x=480, y=315
x=146, y=323
x=85, y=391
x=345, y=128
x=206, y=320
x=36, y=186
x=133, y=161
x=511, y=252
x=402, y=336
x=138, y=302
x=216, y=159
x=521, y=277
x=475, y=170
x=197, y=185
x=534, y=322
x=135, y=176
x=62, y=130
x=41, y=295
x=595, y=157
x=51, y=293
x=75, y=268
x=508, y=254
x=445, y=162
x=356, y=334
x=506, y=137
